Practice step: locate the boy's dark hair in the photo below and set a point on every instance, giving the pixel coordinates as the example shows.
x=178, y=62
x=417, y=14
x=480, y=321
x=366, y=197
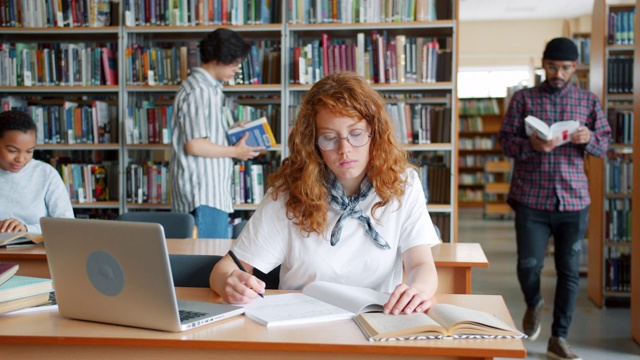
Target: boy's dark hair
x=16, y=120
x=223, y=46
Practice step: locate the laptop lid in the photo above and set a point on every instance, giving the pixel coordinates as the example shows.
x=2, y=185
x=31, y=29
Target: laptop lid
x=118, y=272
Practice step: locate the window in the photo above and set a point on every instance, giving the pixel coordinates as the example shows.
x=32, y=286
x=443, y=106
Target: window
x=483, y=83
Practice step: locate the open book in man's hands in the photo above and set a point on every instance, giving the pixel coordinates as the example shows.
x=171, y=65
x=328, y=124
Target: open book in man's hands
x=441, y=321
x=561, y=129
x=19, y=238
x=318, y=302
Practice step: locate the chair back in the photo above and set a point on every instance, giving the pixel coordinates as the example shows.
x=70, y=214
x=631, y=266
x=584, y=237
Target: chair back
x=175, y=225
x=192, y=270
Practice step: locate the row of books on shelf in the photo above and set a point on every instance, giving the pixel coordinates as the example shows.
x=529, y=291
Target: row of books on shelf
x=202, y=12
x=420, y=123
x=618, y=220
x=367, y=11
x=436, y=182
x=56, y=13
x=476, y=160
x=480, y=178
x=249, y=183
x=379, y=58
x=87, y=183
x=618, y=174
x=443, y=222
x=479, y=106
x=71, y=122
x=621, y=27
x=170, y=63
x=620, y=74
x=148, y=182
x=477, y=143
x=621, y=123
x=57, y=64
x=618, y=270
x=584, y=45
x=471, y=124
x=470, y=195
x=149, y=124
x=471, y=178
x=20, y=292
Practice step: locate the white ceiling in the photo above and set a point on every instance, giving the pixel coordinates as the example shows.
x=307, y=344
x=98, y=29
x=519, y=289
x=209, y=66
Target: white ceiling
x=483, y=10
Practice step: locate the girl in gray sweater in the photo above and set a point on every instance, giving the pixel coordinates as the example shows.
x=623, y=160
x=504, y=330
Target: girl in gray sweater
x=29, y=189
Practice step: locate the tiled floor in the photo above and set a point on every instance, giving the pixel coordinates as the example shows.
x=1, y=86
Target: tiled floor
x=595, y=333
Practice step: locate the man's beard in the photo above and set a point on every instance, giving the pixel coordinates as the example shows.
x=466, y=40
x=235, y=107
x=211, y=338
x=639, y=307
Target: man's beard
x=554, y=87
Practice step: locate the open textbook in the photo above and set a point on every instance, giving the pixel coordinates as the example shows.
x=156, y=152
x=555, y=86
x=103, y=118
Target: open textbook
x=318, y=302
x=19, y=238
x=561, y=129
x=442, y=321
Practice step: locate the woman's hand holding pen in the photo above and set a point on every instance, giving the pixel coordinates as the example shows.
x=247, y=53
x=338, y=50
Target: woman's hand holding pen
x=240, y=286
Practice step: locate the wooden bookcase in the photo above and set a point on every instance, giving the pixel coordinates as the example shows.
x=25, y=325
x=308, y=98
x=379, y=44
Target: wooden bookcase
x=610, y=244
x=635, y=245
x=282, y=92
x=479, y=123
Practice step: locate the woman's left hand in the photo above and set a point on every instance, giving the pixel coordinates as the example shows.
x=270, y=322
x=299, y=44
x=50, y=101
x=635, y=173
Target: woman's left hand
x=405, y=299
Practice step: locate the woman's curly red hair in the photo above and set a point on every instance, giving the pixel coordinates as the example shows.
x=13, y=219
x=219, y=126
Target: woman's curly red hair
x=302, y=175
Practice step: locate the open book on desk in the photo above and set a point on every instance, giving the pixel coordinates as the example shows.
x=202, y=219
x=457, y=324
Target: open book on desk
x=19, y=238
x=442, y=321
x=319, y=301
x=561, y=129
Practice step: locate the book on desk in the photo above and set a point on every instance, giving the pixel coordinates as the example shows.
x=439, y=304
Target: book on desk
x=323, y=301
x=20, y=292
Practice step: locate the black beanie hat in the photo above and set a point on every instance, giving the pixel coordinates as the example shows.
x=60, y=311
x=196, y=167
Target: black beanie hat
x=561, y=49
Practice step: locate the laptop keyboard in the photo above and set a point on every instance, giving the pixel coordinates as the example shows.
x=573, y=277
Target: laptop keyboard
x=186, y=315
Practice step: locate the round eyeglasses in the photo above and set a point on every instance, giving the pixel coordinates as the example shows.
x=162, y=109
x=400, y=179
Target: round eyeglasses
x=356, y=138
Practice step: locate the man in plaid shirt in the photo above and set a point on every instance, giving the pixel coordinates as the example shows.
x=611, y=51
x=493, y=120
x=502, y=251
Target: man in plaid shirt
x=549, y=188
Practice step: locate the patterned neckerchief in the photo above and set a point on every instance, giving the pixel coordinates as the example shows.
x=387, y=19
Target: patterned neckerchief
x=349, y=205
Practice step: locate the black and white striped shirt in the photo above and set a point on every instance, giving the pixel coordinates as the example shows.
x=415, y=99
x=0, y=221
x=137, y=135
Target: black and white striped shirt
x=198, y=113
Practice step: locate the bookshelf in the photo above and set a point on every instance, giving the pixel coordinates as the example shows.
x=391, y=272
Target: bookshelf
x=479, y=123
x=583, y=42
x=146, y=85
x=149, y=92
x=610, y=178
x=419, y=96
x=635, y=245
x=76, y=109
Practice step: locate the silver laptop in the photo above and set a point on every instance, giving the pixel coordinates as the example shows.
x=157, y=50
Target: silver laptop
x=118, y=272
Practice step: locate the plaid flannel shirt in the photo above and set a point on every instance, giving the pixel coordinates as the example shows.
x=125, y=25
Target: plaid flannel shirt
x=554, y=180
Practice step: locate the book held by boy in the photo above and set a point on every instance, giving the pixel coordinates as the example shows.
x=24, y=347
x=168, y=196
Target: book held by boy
x=441, y=321
x=561, y=129
x=19, y=238
x=260, y=134
x=318, y=302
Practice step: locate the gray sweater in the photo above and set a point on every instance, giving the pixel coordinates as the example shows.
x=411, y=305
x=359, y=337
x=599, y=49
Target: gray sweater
x=35, y=191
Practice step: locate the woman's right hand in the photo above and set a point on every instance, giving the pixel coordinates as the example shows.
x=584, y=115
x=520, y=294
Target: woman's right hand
x=12, y=225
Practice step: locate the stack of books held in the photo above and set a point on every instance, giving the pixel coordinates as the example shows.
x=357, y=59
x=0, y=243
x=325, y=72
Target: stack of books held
x=20, y=292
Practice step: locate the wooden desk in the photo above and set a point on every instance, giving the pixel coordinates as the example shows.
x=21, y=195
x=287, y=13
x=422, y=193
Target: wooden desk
x=45, y=334
x=454, y=261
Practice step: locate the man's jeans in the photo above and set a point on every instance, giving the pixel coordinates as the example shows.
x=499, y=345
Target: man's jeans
x=533, y=230
x=212, y=223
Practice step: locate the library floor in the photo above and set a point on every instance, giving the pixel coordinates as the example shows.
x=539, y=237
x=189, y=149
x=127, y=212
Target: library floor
x=595, y=333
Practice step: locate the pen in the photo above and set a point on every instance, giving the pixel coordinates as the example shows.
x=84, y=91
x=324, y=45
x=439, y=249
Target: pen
x=239, y=264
